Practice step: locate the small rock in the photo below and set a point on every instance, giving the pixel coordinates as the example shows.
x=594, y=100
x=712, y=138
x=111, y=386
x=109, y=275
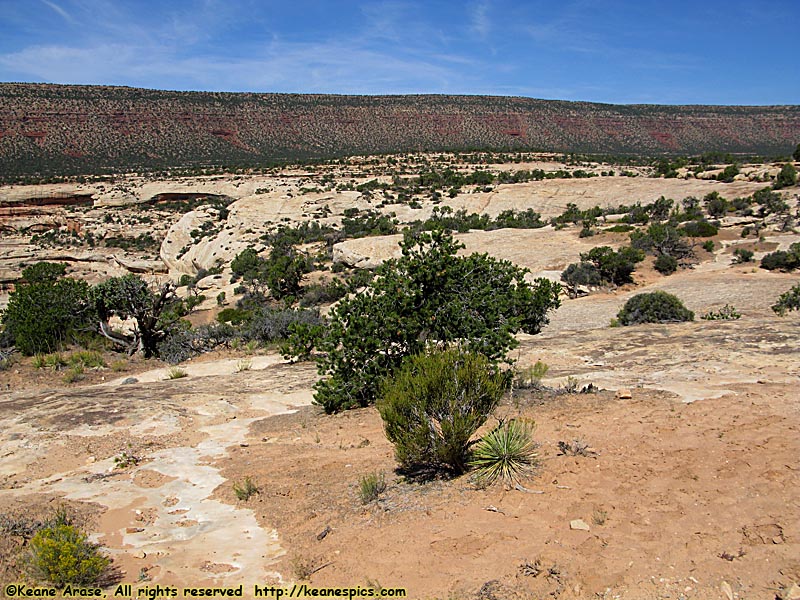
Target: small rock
x=129, y=380
x=726, y=589
x=579, y=524
x=139, y=554
x=134, y=529
x=624, y=394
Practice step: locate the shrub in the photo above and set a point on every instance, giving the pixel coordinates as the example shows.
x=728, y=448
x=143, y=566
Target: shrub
x=428, y=295
x=621, y=228
x=716, y=205
x=702, y=229
x=234, y=316
x=245, y=490
x=301, y=341
x=6, y=360
x=726, y=313
x=771, y=202
x=782, y=260
x=508, y=453
x=786, y=177
x=601, y=265
x=580, y=274
x=654, y=307
x=182, y=344
x=728, y=173
x=434, y=404
x=666, y=264
x=323, y=294
x=371, y=486
x=615, y=267
x=61, y=554
x=46, y=312
x=788, y=301
x=708, y=245
x=281, y=272
x=268, y=324
x=742, y=205
x=659, y=239
x=742, y=255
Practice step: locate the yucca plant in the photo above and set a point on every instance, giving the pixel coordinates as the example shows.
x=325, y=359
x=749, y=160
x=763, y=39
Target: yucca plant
x=507, y=452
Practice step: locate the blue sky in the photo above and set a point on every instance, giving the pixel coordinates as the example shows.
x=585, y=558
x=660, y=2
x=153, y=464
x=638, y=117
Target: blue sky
x=679, y=52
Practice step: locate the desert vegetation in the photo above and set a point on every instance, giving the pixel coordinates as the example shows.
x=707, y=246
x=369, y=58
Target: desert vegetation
x=93, y=130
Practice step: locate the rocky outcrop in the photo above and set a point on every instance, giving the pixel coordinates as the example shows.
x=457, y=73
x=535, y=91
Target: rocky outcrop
x=212, y=245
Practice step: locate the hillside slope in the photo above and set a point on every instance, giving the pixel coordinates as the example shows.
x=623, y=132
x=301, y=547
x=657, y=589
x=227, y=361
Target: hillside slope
x=54, y=129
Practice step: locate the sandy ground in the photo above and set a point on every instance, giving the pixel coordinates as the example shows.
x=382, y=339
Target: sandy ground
x=679, y=497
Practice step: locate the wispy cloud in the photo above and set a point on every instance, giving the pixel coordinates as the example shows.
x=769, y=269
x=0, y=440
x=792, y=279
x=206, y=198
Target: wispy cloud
x=332, y=67
x=480, y=23
x=63, y=13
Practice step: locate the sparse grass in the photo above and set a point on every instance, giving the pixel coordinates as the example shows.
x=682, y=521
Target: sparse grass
x=506, y=453
x=371, y=486
x=245, y=490
x=176, y=373
x=600, y=516
x=531, y=377
x=244, y=364
x=119, y=366
x=87, y=358
x=38, y=361
x=251, y=346
x=74, y=374
x=55, y=361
